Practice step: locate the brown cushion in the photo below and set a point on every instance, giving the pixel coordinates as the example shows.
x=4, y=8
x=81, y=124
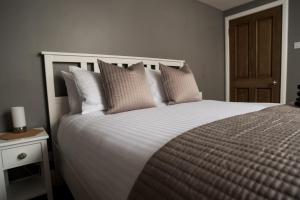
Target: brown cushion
x=179, y=84
x=125, y=89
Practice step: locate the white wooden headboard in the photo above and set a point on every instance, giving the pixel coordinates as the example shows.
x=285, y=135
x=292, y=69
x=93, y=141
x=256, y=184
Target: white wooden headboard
x=58, y=105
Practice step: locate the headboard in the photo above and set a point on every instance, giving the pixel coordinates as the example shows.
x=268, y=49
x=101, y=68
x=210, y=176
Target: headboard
x=55, y=61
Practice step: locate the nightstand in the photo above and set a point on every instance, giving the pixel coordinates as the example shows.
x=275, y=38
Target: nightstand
x=21, y=152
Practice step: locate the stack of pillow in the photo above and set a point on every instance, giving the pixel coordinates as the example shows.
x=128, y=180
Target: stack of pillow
x=117, y=89
x=297, y=103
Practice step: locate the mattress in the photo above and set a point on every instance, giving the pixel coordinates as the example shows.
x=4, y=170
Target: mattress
x=108, y=152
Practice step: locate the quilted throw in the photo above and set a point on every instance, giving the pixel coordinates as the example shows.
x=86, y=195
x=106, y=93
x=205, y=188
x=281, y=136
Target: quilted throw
x=252, y=156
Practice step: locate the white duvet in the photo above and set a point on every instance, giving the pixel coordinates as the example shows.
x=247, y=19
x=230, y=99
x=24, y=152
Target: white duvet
x=108, y=152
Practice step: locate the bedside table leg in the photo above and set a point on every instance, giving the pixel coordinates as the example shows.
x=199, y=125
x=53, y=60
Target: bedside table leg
x=46, y=171
x=6, y=177
x=2, y=185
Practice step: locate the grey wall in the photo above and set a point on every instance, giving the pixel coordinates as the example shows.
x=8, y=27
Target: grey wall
x=176, y=29
x=294, y=35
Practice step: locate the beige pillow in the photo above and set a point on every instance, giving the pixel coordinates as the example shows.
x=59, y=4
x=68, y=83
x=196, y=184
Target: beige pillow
x=125, y=89
x=179, y=84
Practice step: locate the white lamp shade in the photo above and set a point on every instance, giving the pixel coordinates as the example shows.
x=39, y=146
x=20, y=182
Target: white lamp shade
x=18, y=117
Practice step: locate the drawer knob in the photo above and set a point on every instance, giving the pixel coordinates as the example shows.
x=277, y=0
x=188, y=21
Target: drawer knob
x=21, y=156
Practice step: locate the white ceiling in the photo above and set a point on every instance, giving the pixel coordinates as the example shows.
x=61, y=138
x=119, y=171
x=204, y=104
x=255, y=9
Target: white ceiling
x=225, y=4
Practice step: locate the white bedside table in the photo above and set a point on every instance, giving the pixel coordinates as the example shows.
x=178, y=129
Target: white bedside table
x=20, y=152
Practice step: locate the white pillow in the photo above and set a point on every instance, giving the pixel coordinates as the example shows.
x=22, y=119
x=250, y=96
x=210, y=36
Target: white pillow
x=89, y=88
x=73, y=97
x=154, y=80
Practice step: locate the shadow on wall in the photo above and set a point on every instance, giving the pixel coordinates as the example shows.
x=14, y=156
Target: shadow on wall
x=6, y=116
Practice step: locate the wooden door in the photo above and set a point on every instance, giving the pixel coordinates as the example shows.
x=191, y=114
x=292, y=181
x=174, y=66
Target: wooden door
x=255, y=57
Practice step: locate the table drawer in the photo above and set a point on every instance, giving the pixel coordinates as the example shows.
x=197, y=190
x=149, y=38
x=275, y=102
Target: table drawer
x=23, y=155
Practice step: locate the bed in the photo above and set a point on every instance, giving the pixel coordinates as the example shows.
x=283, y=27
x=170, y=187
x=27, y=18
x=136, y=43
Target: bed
x=115, y=149
x=54, y=63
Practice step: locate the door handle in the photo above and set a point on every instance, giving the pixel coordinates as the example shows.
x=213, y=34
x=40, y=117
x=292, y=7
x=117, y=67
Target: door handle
x=274, y=82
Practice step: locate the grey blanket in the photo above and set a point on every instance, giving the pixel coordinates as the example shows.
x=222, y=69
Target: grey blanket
x=252, y=156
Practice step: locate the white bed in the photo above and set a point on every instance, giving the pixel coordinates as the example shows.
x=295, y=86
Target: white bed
x=100, y=156
x=107, y=152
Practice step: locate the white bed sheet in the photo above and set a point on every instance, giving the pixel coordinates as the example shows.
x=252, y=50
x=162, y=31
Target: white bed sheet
x=109, y=152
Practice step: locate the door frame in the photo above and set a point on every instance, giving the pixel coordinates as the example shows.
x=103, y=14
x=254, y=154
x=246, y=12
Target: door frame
x=284, y=46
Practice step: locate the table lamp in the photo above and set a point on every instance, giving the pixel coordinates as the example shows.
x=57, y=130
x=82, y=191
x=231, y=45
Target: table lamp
x=18, y=119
